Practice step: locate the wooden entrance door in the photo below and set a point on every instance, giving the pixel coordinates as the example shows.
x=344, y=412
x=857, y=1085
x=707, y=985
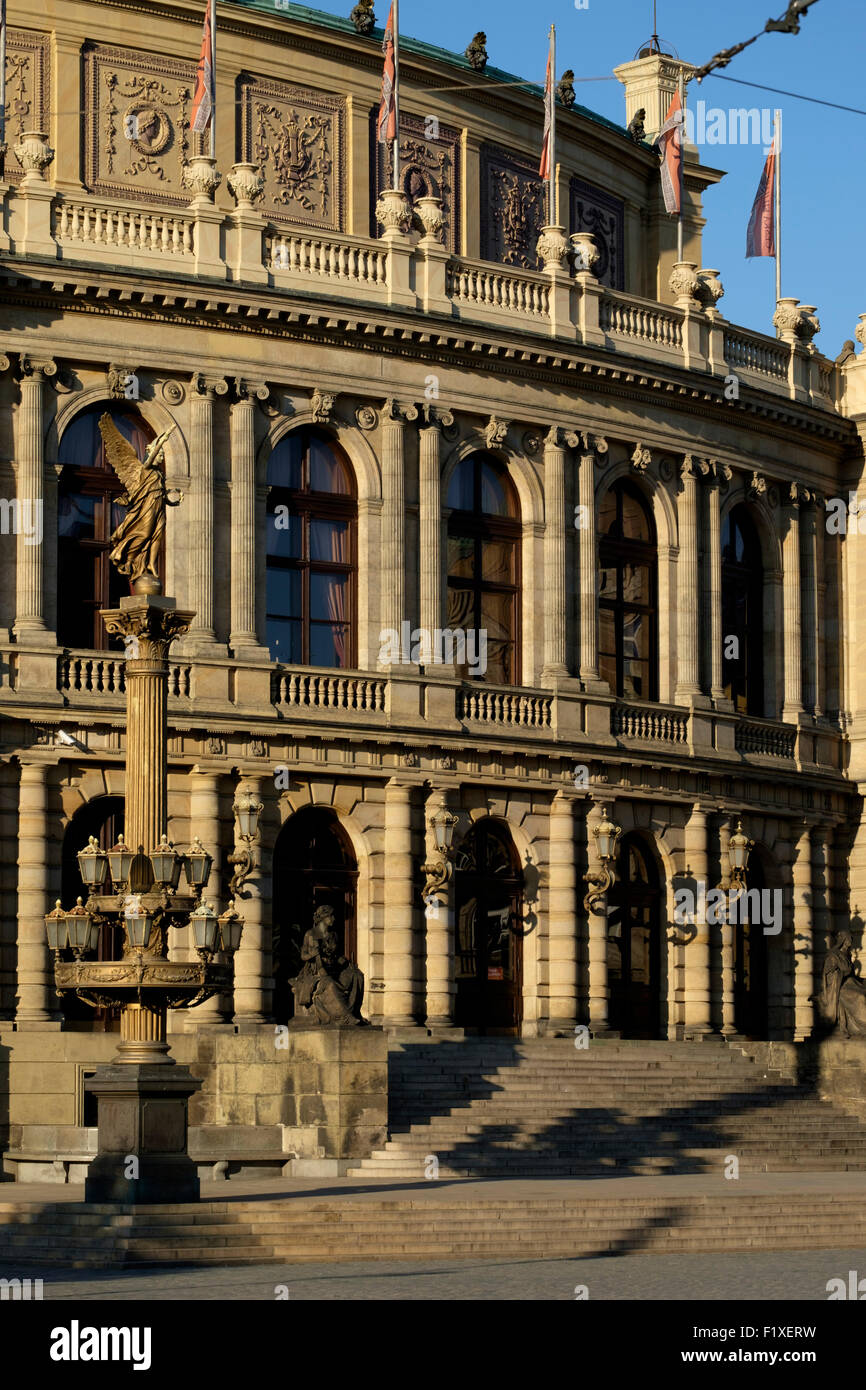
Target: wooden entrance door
x=488, y=932
x=633, y=943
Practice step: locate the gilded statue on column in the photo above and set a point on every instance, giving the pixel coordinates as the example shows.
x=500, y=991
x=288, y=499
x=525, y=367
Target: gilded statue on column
x=138, y=540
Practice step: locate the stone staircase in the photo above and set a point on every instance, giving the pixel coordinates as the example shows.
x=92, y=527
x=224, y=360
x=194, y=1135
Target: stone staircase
x=543, y=1108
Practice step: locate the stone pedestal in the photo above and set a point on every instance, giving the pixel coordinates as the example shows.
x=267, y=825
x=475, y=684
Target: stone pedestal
x=143, y=1115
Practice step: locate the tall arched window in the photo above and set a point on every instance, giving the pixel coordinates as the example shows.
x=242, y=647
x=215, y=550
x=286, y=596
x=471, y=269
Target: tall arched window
x=742, y=613
x=311, y=549
x=484, y=564
x=88, y=511
x=628, y=615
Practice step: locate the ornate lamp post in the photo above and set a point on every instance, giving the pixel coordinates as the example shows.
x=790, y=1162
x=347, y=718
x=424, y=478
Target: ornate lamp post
x=247, y=810
x=438, y=869
x=740, y=847
x=601, y=880
x=143, y=1094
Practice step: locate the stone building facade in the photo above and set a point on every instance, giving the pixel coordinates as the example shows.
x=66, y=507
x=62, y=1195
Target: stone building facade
x=396, y=416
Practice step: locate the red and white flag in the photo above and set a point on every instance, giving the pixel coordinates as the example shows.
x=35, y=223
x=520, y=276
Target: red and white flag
x=761, y=233
x=670, y=144
x=205, y=94
x=544, y=166
x=386, y=128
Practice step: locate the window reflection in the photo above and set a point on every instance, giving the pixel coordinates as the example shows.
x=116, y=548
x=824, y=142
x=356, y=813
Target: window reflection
x=626, y=587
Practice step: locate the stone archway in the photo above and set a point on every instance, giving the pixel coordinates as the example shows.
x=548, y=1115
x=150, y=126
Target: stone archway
x=634, y=941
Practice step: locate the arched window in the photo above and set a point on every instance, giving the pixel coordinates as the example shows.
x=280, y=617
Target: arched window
x=634, y=942
x=88, y=511
x=488, y=937
x=311, y=548
x=628, y=617
x=484, y=564
x=742, y=613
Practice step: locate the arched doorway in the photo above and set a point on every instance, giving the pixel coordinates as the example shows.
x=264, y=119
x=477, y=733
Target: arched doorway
x=633, y=942
x=751, y=981
x=103, y=818
x=314, y=866
x=488, y=934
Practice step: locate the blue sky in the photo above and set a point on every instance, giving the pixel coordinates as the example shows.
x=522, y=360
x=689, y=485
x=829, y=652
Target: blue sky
x=823, y=183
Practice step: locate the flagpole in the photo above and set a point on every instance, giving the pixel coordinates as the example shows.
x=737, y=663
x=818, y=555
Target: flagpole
x=682, y=140
x=554, y=219
x=213, y=77
x=777, y=201
x=396, y=93
x=2, y=84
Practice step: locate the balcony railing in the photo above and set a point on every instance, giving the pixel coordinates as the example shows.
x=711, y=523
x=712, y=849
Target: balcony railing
x=326, y=692
x=575, y=309
x=651, y=722
x=765, y=738
x=515, y=708
x=95, y=673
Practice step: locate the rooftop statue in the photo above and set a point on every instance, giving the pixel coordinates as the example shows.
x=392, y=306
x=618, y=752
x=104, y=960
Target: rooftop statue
x=138, y=540
x=476, y=53
x=362, y=17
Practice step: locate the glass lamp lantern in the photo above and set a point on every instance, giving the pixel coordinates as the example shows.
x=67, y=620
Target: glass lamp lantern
x=197, y=866
x=55, y=928
x=443, y=824
x=247, y=811
x=739, y=848
x=205, y=929
x=231, y=928
x=81, y=930
x=92, y=864
x=120, y=858
x=138, y=923
x=166, y=864
x=606, y=835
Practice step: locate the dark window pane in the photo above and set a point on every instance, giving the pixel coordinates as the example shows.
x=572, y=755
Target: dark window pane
x=494, y=499
x=283, y=593
x=607, y=582
x=634, y=635
x=635, y=524
x=607, y=513
x=328, y=644
x=635, y=584
x=607, y=632
x=284, y=464
x=461, y=557
x=460, y=489
x=76, y=516
x=461, y=607
x=497, y=561
x=327, y=473
x=284, y=641
x=328, y=599
x=284, y=535
x=329, y=540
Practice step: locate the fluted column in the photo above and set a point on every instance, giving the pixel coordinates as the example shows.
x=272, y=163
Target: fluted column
x=596, y=910
x=792, y=593
x=253, y=972
x=35, y=997
x=728, y=929
x=243, y=637
x=562, y=913
x=554, y=552
x=399, y=914
x=430, y=559
x=688, y=683
x=393, y=550
x=590, y=447
x=812, y=662
x=696, y=995
x=439, y=921
x=804, y=947
x=204, y=821
x=201, y=518
x=719, y=472
x=29, y=624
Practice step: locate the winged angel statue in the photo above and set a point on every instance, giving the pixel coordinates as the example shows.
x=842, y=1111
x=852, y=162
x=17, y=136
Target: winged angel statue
x=138, y=540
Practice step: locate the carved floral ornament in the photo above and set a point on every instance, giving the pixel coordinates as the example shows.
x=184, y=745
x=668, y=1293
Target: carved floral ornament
x=34, y=154
x=796, y=322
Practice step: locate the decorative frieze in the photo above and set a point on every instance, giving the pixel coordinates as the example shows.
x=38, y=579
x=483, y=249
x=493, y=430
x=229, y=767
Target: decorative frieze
x=295, y=136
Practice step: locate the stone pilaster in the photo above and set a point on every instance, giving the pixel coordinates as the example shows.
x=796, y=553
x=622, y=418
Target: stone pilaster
x=792, y=594
x=204, y=821
x=688, y=683
x=562, y=913
x=430, y=518
x=728, y=930
x=29, y=624
x=822, y=922
x=393, y=549
x=439, y=919
x=804, y=946
x=591, y=447
x=696, y=995
x=596, y=909
x=555, y=635
x=718, y=474
x=201, y=519
x=243, y=637
x=813, y=514
x=36, y=1003
x=253, y=968
x=399, y=915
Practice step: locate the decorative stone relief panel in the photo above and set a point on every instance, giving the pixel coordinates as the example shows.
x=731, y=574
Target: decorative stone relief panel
x=28, y=99
x=512, y=208
x=429, y=167
x=137, y=136
x=604, y=216
x=296, y=136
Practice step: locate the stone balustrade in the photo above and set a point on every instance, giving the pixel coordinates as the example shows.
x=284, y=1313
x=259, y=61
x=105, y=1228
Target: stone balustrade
x=516, y=708
x=82, y=674
x=322, y=691
x=402, y=271
x=653, y=723
x=767, y=739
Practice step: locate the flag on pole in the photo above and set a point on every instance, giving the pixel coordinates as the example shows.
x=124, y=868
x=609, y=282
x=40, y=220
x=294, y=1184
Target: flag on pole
x=669, y=142
x=761, y=233
x=204, y=99
x=544, y=166
x=386, y=128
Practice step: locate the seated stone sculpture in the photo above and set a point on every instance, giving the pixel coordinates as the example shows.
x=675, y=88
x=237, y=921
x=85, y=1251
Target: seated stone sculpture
x=328, y=989
x=842, y=998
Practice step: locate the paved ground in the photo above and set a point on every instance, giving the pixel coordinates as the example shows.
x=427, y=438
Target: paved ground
x=488, y=1190
x=732, y=1277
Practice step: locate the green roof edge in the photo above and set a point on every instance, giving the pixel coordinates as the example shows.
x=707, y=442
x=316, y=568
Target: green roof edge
x=426, y=50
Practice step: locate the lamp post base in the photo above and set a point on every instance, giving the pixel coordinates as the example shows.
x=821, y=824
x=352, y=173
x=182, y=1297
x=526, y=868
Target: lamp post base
x=143, y=1124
